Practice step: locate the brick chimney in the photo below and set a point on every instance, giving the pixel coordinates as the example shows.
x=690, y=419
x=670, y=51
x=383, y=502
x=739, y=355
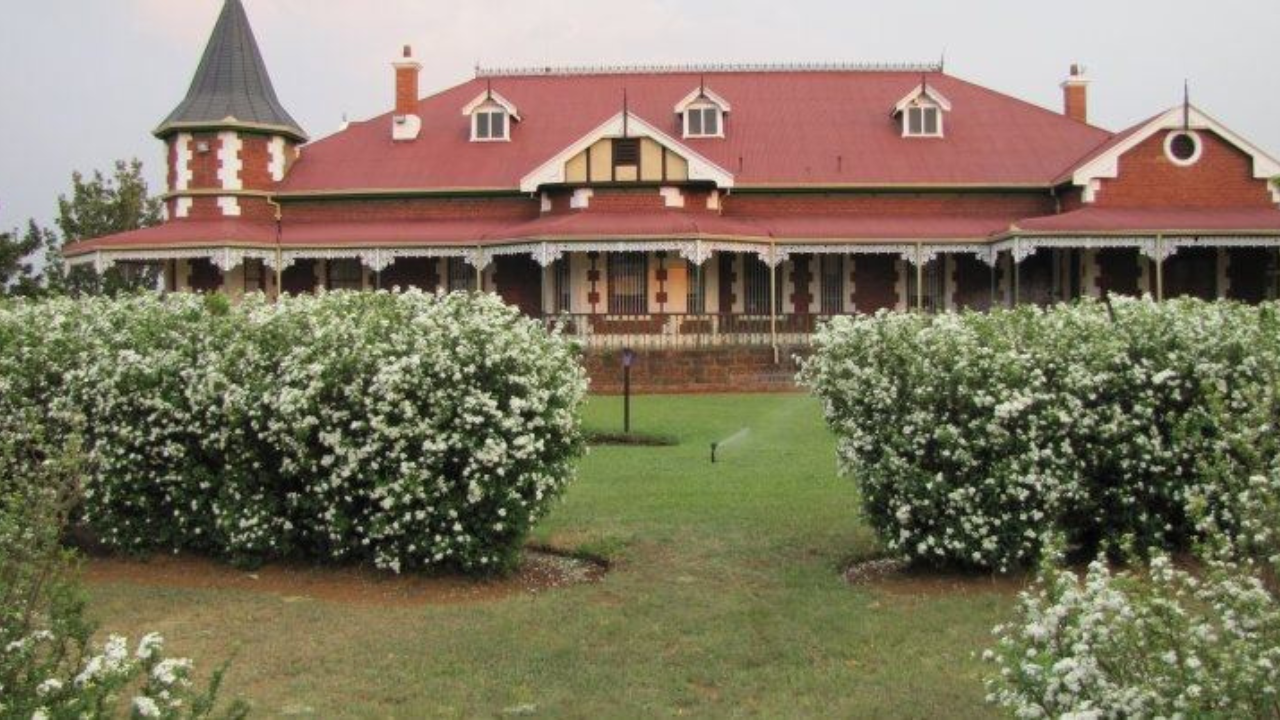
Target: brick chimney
x=1075, y=95
x=406, y=124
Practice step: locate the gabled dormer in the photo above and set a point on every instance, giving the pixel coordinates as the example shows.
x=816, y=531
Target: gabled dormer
x=921, y=112
x=491, y=117
x=702, y=113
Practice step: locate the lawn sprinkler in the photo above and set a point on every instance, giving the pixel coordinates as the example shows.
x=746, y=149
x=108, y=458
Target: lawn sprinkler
x=713, y=452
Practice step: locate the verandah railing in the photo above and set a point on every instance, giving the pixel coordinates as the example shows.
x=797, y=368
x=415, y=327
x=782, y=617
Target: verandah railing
x=686, y=330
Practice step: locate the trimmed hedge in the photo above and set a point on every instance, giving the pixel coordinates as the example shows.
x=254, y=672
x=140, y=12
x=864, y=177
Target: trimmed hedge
x=412, y=430
x=971, y=434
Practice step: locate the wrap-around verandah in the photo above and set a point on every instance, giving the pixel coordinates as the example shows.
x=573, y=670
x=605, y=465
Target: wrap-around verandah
x=676, y=293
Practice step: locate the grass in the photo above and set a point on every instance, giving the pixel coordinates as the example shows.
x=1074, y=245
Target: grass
x=725, y=599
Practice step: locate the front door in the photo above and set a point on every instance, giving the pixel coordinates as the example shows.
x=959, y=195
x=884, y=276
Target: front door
x=519, y=281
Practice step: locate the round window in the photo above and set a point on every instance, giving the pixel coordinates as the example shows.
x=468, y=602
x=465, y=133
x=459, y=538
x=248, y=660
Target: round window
x=1183, y=147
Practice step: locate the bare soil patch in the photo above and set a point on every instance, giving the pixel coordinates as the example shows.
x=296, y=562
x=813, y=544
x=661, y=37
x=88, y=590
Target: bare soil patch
x=540, y=571
x=897, y=577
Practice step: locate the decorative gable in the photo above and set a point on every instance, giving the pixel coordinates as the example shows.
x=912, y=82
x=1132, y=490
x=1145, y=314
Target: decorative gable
x=491, y=116
x=1183, y=133
x=921, y=111
x=626, y=149
x=702, y=113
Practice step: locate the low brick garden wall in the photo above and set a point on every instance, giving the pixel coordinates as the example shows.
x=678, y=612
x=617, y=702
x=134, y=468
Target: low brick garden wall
x=708, y=370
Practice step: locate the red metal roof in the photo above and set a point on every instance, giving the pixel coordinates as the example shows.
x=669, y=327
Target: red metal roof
x=660, y=224
x=1181, y=221
x=180, y=233
x=785, y=128
x=633, y=225
x=871, y=228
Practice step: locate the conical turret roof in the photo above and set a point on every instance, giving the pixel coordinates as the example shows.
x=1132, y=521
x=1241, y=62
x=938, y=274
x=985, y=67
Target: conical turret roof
x=231, y=88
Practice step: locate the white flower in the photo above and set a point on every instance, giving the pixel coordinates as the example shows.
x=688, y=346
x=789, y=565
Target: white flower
x=144, y=706
x=48, y=686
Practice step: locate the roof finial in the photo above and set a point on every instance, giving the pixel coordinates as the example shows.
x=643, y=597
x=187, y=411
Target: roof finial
x=1186, y=104
x=626, y=113
x=488, y=89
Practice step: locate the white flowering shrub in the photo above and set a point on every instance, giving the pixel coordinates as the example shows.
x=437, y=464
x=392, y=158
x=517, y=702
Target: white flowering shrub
x=971, y=434
x=409, y=430
x=1165, y=643
x=49, y=666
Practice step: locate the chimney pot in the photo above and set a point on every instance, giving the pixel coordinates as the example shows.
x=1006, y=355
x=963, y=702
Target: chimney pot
x=408, y=51
x=1075, y=95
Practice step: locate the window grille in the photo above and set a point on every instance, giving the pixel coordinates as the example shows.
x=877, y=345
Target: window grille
x=696, y=298
x=756, y=286
x=560, y=285
x=344, y=274
x=628, y=283
x=459, y=276
x=832, y=284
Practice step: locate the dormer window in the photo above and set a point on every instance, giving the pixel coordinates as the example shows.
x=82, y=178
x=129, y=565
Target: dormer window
x=491, y=117
x=489, y=125
x=702, y=121
x=921, y=111
x=702, y=112
x=923, y=121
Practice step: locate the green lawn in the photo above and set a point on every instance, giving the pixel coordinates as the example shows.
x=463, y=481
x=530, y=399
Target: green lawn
x=725, y=599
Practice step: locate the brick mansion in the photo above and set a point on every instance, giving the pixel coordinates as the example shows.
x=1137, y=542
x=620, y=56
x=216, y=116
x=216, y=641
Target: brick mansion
x=680, y=202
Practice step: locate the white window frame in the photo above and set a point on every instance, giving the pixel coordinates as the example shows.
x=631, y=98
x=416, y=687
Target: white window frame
x=1195, y=138
x=491, y=111
x=921, y=108
x=703, y=109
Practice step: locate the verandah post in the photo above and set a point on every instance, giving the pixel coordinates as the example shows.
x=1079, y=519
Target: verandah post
x=773, y=301
x=1017, y=275
x=919, y=277
x=1159, y=268
x=279, y=272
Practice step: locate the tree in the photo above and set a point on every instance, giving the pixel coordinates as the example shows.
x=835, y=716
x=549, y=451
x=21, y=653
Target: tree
x=104, y=206
x=18, y=274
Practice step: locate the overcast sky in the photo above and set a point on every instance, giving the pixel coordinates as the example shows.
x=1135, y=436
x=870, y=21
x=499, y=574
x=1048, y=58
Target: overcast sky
x=83, y=82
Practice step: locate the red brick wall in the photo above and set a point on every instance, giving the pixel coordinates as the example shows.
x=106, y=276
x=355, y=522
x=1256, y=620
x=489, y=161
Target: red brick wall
x=875, y=280
x=255, y=162
x=204, y=166
x=171, y=178
x=728, y=369
x=639, y=199
x=1071, y=199
x=406, y=90
x=503, y=208
x=1017, y=205
x=1222, y=177
x=801, y=277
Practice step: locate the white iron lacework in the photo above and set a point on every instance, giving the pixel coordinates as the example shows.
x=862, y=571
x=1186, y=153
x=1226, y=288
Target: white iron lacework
x=698, y=252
